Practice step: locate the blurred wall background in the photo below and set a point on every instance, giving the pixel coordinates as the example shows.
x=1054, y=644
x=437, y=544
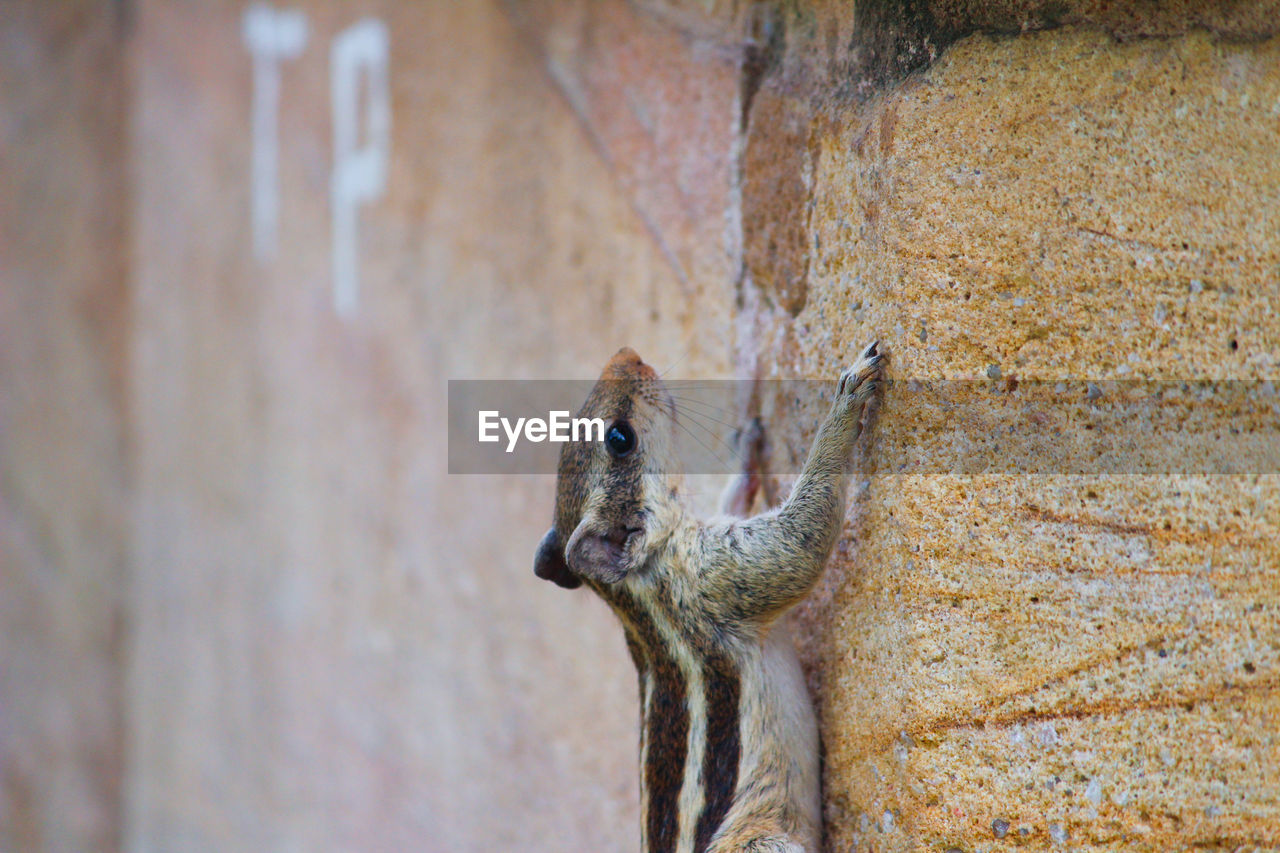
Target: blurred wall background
x=65, y=458
x=243, y=605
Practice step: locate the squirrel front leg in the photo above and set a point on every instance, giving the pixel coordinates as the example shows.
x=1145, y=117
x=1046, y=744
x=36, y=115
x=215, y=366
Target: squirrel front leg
x=755, y=568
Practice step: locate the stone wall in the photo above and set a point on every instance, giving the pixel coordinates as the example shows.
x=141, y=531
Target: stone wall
x=331, y=643
x=1089, y=660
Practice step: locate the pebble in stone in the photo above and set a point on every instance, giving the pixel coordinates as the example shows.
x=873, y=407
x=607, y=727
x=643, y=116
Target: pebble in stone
x=1000, y=827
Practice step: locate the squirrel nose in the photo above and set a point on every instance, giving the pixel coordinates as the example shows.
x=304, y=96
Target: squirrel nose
x=627, y=364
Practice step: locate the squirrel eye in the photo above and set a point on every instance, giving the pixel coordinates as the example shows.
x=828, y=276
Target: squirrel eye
x=620, y=439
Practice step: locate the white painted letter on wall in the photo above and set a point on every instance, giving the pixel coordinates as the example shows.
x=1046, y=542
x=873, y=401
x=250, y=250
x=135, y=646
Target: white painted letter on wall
x=359, y=165
x=271, y=36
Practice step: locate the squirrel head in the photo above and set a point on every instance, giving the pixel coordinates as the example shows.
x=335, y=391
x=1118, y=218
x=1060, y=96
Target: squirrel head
x=611, y=494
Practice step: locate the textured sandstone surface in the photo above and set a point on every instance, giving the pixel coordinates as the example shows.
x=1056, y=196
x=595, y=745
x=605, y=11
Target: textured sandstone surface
x=286, y=626
x=1092, y=660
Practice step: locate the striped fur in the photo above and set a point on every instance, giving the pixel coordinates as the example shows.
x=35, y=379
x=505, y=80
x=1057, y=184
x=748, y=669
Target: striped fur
x=690, y=728
x=723, y=755
x=728, y=741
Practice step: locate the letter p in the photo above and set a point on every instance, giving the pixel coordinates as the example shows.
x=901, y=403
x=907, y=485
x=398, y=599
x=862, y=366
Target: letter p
x=359, y=166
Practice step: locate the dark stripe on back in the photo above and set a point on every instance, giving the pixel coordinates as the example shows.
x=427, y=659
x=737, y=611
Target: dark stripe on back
x=724, y=746
x=668, y=739
x=666, y=727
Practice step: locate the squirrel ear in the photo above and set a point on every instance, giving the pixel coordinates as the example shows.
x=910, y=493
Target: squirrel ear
x=601, y=556
x=549, y=564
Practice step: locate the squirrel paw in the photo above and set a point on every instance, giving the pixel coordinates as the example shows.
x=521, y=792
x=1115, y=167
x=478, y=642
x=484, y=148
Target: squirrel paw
x=859, y=381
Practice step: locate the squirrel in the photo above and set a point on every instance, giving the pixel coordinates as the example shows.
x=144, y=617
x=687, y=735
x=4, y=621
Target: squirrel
x=729, y=748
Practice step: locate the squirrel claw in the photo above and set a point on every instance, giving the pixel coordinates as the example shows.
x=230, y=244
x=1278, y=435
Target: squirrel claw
x=859, y=380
